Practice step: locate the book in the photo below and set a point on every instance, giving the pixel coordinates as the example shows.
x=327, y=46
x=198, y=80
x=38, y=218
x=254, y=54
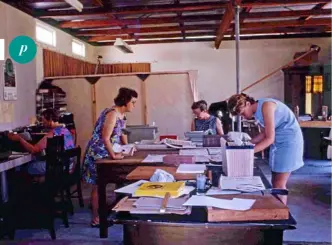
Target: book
x=160, y=188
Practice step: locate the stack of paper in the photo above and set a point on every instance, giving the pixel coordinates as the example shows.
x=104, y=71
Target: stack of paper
x=153, y=189
x=130, y=189
x=191, y=169
x=153, y=158
x=194, y=152
x=234, y=204
x=150, y=203
x=245, y=184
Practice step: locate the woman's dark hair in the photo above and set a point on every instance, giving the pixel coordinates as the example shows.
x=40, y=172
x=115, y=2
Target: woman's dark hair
x=201, y=104
x=237, y=101
x=50, y=115
x=124, y=96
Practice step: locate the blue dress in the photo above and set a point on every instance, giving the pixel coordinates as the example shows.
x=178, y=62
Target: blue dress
x=204, y=125
x=96, y=148
x=286, y=153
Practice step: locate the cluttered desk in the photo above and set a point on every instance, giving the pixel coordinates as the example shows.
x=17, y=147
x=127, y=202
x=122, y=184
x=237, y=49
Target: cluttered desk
x=217, y=212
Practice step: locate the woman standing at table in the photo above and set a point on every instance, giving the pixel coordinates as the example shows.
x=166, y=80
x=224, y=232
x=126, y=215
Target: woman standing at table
x=281, y=132
x=107, y=132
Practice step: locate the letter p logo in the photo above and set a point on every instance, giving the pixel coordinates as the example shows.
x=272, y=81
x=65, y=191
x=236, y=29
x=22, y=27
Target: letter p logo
x=22, y=49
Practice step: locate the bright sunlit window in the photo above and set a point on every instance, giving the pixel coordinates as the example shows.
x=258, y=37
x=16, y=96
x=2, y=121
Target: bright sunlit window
x=78, y=48
x=45, y=34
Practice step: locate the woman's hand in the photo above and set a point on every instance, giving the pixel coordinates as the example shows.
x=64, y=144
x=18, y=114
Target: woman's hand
x=118, y=156
x=14, y=137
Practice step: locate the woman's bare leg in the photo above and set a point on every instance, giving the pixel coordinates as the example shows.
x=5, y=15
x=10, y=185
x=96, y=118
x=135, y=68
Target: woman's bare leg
x=94, y=204
x=279, y=180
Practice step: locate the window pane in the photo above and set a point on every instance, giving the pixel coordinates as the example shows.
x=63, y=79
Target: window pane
x=78, y=48
x=308, y=84
x=45, y=35
x=318, y=84
x=308, y=103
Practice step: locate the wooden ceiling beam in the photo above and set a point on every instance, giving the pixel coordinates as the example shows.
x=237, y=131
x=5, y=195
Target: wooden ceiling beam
x=317, y=7
x=173, y=35
x=271, y=36
x=288, y=23
x=166, y=20
x=146, y=30
x=145, y=21
x=253, y=25
x=282, y=3
x=166, y=8
x=313, y=29
x=225, y=24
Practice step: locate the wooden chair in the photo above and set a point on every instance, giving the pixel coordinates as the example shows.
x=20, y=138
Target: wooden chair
x=35, y=207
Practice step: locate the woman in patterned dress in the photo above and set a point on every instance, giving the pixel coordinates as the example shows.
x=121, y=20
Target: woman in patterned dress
x=204, y=121
x=107, y=131
x=50, y=120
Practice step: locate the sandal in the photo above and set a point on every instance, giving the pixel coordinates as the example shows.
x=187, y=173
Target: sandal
x=94, y=225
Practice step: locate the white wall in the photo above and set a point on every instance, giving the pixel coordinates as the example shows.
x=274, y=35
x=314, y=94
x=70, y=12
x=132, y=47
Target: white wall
x=216, y=68
x=14, y=23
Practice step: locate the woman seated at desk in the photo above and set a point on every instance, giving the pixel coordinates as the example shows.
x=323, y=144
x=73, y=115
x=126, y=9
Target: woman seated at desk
x=108, y=131
x=204, y=121
x=50, y=121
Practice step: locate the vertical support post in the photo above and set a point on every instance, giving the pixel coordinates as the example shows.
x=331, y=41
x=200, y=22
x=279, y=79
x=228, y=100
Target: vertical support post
x=237, y=57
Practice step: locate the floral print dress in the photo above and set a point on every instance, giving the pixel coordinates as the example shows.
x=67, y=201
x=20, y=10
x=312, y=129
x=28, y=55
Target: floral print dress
x=96, y=148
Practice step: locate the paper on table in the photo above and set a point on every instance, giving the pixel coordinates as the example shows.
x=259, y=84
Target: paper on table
x=191, y=168
x=247, y=184
x=216, y=191
x=185, y=191
x=215, y=151
x=234, y=204
x=126, y=149
x=202, y=159
x=194, y=152
x=153, y=158
x=130, y=189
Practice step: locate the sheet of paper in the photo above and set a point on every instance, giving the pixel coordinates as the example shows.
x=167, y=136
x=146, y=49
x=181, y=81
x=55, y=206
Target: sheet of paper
x=153, y=158
x=130, y=189
x=215, y=151
x=194, y=152
x=6, y=112
x=246, y=184
x=234, y=204
x=202, y=159
x=217, y=191
x=191, y=168
x=127, y=149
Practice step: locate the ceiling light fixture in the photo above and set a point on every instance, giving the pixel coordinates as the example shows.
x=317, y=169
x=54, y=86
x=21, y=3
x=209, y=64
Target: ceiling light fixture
x=76, y=4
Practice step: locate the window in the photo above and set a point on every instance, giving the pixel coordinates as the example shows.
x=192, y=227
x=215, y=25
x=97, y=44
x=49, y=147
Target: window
x=78, y=48
x=318, y=84
x=45, y=34
x=308, y=95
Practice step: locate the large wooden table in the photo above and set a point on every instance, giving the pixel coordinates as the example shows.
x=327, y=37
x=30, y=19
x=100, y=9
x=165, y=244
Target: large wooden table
x=315, y=124
x=115, y=171
x=195, y=229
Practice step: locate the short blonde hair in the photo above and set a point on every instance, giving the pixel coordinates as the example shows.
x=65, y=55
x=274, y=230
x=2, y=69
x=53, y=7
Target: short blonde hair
x=237, y=101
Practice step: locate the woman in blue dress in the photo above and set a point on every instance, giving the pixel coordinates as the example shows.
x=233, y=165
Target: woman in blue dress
x=203, y=120
x=281, y=131
x=108, y=131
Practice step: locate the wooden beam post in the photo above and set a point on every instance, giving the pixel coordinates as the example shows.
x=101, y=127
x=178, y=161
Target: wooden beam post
x=225, y=24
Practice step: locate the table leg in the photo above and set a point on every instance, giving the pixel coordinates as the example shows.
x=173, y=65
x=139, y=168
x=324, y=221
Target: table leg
x=102, y=210
x=4, y=188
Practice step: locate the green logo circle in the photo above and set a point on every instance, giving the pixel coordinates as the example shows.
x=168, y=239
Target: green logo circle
x=22, y=49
